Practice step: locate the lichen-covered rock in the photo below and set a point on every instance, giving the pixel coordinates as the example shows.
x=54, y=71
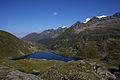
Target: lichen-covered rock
x=7, y=73
x=103, y=72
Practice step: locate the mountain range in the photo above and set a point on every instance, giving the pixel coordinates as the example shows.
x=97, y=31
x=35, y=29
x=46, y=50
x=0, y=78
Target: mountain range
x=46, y=36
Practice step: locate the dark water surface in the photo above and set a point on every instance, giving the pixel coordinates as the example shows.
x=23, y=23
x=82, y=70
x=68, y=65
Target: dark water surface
x=50, y=56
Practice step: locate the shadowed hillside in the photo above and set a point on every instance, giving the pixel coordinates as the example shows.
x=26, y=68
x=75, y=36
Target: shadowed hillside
x=12, y=47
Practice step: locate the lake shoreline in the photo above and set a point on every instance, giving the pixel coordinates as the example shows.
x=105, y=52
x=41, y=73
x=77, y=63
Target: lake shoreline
x=48, y=56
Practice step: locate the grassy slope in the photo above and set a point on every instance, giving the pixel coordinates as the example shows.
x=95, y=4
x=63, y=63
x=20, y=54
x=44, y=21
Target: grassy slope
x=12, y=47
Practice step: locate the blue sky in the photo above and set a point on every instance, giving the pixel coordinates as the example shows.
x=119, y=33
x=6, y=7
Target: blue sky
x=21, y=17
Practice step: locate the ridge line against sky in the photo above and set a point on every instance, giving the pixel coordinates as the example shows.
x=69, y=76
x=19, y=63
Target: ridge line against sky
x=21, y=17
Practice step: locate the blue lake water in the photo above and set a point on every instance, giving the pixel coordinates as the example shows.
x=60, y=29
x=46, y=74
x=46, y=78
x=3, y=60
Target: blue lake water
x=50, y=56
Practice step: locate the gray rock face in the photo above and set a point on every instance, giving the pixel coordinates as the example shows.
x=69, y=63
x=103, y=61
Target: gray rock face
x=103, y=72
x=17, y=75
x=7, y=73
x=116, y=15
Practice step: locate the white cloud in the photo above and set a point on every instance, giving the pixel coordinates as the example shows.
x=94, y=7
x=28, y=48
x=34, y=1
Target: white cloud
x=101, y=16
x=87, y=19
x=55, y=14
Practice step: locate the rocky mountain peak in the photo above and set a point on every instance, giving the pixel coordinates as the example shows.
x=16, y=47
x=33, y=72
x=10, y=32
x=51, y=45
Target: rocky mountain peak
x=62, y=28
x=78, y=23
x=47, y=31
x=93, y=20
x=104, y=18
x=117, y=15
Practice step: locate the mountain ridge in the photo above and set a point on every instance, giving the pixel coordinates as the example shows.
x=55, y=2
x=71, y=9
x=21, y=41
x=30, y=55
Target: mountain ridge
x=98, y=38
x=46, y=36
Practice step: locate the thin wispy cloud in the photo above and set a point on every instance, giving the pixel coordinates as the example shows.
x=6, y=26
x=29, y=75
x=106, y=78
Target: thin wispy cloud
x=1, y=26
x=55, y=14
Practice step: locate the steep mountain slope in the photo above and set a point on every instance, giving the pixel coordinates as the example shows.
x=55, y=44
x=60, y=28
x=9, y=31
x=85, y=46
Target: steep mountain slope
x=98, y=38
x=12, y=47
x=44, y=37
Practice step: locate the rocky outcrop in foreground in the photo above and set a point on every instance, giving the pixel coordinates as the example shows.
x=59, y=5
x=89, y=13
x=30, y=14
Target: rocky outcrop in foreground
x=7, y=73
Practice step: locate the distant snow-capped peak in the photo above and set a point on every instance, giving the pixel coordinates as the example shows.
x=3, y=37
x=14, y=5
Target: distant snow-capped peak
x=87, y=19
x=101, y=16
x=63, y=27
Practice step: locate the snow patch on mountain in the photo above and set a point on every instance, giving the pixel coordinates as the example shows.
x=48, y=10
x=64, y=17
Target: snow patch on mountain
x=63, y=27
x=101, y=16
x=87, y=19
